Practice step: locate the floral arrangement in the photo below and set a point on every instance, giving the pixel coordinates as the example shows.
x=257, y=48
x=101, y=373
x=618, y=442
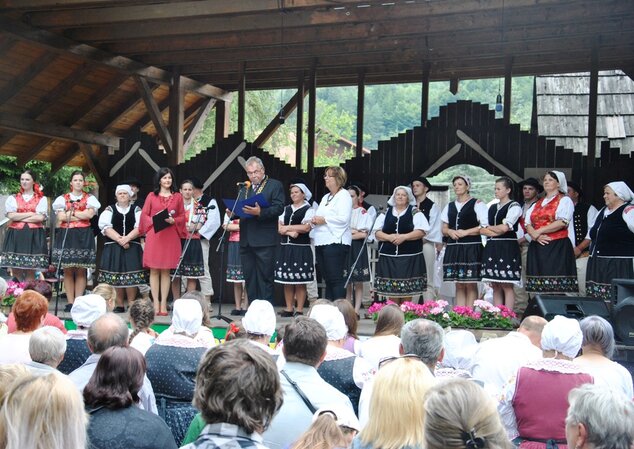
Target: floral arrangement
x=482, y=315
x=14, y=289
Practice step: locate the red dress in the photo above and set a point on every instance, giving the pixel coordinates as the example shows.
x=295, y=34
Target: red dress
x=162, y=250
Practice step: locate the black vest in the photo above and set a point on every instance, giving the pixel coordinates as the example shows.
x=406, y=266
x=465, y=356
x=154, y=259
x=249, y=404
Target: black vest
x=465, y=219
x=400, y=225
x=425, y=207
x=204, y=201
x=611, y=236
x=123, y=224
x=580, y=222
x=497, y=216
x=295, y=218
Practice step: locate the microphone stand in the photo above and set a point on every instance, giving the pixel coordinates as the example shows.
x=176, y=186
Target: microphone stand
x=363, y=247
x=221, y=248
x=61, y=254
x=199, y=213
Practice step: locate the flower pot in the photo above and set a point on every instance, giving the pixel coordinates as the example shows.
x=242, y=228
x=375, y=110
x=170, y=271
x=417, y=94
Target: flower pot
x=483, y=334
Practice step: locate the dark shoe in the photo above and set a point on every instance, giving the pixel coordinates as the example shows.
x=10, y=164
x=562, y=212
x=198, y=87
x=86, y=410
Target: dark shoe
x=119, y=309
x=243, y=312
x=68, y=307
x=287, y=314
x=236, y=312
x=298, y=313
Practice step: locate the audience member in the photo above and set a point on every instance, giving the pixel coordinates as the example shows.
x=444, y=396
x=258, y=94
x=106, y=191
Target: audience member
x=259, y=324
x=599, y=418
x=386, y=341
x=332, y=428
x=111, y=396
x=351, y=318
x=44, y=289
x=109, y=294
x=141, y=318
x=9, y=373
x=498, y=359
x=460, y=345
x=596, y=354
x=46, y=348
x=397, y=406
x=305, y=342
x=238, y=393
x=43, y=412
x=204, y=336
x=105, y=332
x=29, y=309
x=460, y=415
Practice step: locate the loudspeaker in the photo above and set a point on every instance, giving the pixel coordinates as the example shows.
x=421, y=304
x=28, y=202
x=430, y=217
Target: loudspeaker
x=623, y=309
x=577, y=307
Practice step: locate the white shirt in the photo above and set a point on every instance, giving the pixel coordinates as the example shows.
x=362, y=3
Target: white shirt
x=14, y=348
x=60, y=202
x=310, y=213
x=610, y=374
x=212, y=222
x=420, y=221
x=142, y=342
x=105, y=218
x=374, y=349
x=434, y=234
x=590, y=218
x=337, y=210
x=482, y=213
x=11, y=205
x=513, y=215
x=565, y=209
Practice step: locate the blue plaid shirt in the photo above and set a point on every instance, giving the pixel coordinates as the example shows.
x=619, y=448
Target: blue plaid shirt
x=226, y=436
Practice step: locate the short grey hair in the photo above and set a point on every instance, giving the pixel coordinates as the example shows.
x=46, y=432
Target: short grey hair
x=607, y=414
x=47, y=345
x=424, y=338
x=598, y=331
x=107, y=331
x=254, y=160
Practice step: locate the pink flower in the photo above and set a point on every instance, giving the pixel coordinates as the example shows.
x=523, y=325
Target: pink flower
x=18, y=291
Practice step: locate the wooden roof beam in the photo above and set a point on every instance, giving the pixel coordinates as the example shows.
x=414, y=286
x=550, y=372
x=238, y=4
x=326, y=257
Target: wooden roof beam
x=132, y=102
x=20, y=80
x=198, y=122
x=92, y=160
x=62, y=45
x=154, y=112
x=274, y=124
x=65, y=158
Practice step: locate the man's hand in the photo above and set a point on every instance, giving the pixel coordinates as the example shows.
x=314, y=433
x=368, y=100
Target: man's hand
x=252, y=210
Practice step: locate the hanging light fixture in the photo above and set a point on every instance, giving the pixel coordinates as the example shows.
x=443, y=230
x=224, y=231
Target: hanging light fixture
x=499, y=106
x=281, y=118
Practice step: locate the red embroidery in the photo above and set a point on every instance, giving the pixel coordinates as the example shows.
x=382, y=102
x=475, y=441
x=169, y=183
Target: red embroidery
x=545, y=215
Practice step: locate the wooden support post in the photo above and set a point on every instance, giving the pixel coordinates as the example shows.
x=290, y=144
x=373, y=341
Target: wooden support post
x=508, y=82
x=312, y=109
x=223, y=114
x=299, y=133
x=176, y=119
x=275, y=123
x=424, y=101
x=592, y=120
x=154, y=112
x=242, y=86
x=360, y=107
x=95, y=166
x=453, y=85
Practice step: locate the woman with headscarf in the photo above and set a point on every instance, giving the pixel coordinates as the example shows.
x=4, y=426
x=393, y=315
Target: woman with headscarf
x=551, y=266
x=171, y=366
x=612, y=249
x=461, y=223
x=401, y=272
x=122, y=256
x=534, y=402
x=294, y=267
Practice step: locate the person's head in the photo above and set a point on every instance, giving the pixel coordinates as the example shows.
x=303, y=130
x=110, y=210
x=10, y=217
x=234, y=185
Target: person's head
x=238, y=383
x=107, y=292
x=349, y=316
x=335, y=178
x=300, y=193
x=107, y=331
x=420, y=186
x=532, y=326
x=10, y=373
x=255, y=169
x=135, y=186
x=43, y=411
x=460, y=415
x=29, y=310
x=87, y=308
x=616, y=193
x=599, y=417
x=424, y=338
x=27, y=180
x=574, y=191
x=305, y=341
x=141, y=316
x=555, y=181
x=259, y=321
x=117, y=379
x=332, y=319
x=204, y=304
x=235, y=331
x=354, y=195
x=460, y=346
x=123, y=193
x=42, y=287
x=187, y=189
x=187, y=317
x=47, y=345
x=77, y=181
x=198, y=186
x=402, y=196
x=503, y=188
x=561, y=338
x=390, y=321
x=332, y=427
x=598, y=335
x=530, y=189
x=461, y=185
x=164, y=179
x=397, y=406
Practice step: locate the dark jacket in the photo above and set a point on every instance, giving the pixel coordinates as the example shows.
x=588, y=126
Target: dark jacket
x=262, y=231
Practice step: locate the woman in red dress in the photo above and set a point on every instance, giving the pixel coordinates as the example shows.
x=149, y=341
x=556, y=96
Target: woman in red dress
x=162, y=248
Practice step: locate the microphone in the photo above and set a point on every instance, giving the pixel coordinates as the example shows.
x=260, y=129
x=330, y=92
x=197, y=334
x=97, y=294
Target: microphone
x=246, y=184
x=210, y=207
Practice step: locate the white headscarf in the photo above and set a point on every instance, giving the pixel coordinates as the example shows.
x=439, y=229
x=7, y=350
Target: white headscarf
x=562, y=335
x=123, y=187
x=465, y=178
x=622, y=190
x=563, y=184
x=332, y=319
x=410, y=196
x=307, y=193
x=87, y=308
x=187, y=317
x=460, y=345
x=260, y=318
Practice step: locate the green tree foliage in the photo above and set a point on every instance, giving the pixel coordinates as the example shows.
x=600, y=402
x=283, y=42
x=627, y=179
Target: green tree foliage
x=482, y=186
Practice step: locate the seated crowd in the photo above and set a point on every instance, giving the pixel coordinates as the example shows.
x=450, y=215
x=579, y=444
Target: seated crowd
x=411, y=386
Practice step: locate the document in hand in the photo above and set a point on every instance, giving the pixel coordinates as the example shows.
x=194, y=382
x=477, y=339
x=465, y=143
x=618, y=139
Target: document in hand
x=259, y=198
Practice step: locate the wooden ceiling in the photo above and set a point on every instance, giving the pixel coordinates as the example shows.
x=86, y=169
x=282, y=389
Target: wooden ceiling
x=77, y=63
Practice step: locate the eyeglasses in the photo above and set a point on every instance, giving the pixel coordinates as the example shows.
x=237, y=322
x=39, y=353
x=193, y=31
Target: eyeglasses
x=254, y=172
x=326, y=176
x=384, y=361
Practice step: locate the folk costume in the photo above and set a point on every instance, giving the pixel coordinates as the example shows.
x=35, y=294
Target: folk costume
x=234, y=271
x=360, y=220
x=501, y=257
x=192, y=265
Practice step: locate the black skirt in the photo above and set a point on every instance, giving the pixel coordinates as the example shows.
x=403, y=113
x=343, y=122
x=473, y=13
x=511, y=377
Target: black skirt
x=601, y=271
x=462, y=262
x=122, y=267
x=294, y=264
x=25, y=249
x=234, y=263
x=361, y=272
x=502, y=261
x=78, y=250
x=551, y=268
x=191, y=266
x=401, y=276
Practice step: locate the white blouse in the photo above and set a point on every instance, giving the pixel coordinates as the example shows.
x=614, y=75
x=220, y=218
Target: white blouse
x=420, y=221
x=60, y=202
x=480, y=209
x=361, y=220
x=434, y=234
x=310, y=213
x=11, y=205
x=628, y=217
x=105, y=219
x=565, y=209
x=337, y=210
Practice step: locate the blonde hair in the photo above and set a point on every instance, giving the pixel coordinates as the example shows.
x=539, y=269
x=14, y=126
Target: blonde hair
x=338, y=173
x=397, y=405
x=107, y=292
x=8, y=374
x=43, y=412
x=456, y=407
x=323, y=433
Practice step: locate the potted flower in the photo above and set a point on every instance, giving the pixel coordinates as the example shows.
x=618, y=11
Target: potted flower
x=14, y=289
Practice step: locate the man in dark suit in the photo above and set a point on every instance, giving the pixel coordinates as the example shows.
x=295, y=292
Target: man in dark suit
x=258, y=234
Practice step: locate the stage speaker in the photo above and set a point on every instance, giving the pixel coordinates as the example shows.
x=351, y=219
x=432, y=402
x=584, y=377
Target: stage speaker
x=623, y=310
x=577, y=307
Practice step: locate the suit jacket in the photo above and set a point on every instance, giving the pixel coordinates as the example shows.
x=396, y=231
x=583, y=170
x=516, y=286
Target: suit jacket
x=262, y=231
